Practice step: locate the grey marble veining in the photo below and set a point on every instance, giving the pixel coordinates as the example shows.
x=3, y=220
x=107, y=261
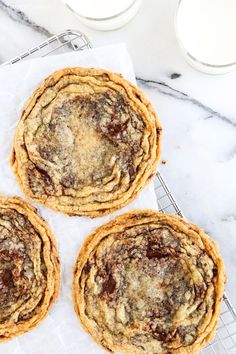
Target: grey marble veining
x=166, y=89
x=20, y=17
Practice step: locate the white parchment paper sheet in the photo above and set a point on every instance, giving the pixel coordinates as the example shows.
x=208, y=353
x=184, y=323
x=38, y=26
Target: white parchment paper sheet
x=60, y=332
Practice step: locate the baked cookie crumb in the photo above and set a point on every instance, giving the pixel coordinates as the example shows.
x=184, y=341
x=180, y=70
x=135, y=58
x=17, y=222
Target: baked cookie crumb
x=164, y=162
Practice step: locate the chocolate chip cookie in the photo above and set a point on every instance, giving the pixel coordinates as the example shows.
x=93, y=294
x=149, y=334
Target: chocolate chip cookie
x=149, y=282
x=29, y=268
x=88, y=141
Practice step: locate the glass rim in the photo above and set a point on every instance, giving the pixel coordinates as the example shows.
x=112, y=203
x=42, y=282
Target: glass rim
x=102, y=18
x=215, y=66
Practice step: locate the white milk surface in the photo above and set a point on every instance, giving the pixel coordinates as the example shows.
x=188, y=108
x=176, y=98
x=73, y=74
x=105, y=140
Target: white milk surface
x=207, y=30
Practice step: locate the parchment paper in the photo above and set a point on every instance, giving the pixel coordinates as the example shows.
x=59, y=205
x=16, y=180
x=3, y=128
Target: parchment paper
x=60, y=332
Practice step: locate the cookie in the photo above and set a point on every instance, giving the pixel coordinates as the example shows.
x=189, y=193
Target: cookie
x=87, y=142
x=149, y=282
x=29, y=268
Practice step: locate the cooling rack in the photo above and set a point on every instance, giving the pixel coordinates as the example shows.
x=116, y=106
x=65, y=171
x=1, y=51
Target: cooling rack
x=224, y=341
x=60, y=43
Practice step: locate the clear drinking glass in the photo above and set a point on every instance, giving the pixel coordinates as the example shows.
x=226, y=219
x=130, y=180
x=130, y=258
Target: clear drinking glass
x=104, y=15
x=206, y=31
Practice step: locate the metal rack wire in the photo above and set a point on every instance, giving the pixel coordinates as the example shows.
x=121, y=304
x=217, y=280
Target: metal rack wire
x=62, y=42
x=225, y=338
x=224, y=341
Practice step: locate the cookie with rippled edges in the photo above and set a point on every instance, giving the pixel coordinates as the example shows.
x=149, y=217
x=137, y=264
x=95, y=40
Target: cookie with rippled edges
x=29, y=268
x=149, y=282
x=87, y=142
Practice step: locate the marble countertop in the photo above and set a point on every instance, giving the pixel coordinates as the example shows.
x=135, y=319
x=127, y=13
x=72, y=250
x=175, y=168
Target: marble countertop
x=198, y=111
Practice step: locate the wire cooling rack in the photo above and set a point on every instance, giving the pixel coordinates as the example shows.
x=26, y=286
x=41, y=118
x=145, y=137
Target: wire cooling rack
x=225, y=338
x=60, y=43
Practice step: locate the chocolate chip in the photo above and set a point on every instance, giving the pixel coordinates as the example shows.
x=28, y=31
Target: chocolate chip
x=44, y=175
x=68, y=181
x=45, y=152
x=184, y=331
x=6, y=278
x=159, y=247
x=152, y=253
x=109, y=285
x=114, y=128
x=156, y=249
x=215, y=272
x=163, y=335
x=39, y=179
x=86, y=268
x=200, y=291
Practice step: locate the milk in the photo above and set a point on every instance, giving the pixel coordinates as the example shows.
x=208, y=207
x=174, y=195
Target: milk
x=206, y=30
x=104, y=14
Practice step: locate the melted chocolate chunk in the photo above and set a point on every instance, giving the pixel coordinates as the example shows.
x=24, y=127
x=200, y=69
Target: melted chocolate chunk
x=155, y=253
x=6, y=278
x=109, y=285
x=162, y=245
x=45, y=152
x=115, y=128
x=39, y=180
x=68, y=181
x=45, y=176
x=215, y=271
x=161, y=334
x=200, y=291
x=87, y=267
x=9, y=255
x=156, y=249
x=186, y=331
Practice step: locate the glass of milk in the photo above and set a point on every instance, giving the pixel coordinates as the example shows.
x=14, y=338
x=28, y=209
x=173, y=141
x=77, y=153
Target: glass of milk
x=104, y=15
x=206, y=32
